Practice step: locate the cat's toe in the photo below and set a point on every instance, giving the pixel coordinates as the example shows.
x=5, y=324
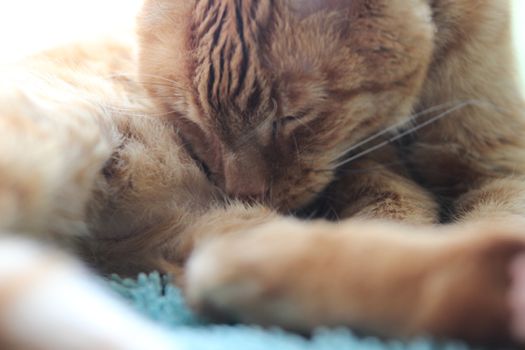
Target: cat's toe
x=219, y=285
x=245, y=277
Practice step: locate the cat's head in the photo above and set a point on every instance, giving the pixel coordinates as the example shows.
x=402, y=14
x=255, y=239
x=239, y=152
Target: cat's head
x=269, y=94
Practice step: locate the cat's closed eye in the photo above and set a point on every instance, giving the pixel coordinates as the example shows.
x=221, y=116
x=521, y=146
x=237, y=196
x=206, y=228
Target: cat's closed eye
x=281, y=123
x=290, y=119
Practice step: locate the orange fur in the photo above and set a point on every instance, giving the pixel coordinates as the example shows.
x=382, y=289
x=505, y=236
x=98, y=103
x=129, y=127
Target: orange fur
x=242, y=109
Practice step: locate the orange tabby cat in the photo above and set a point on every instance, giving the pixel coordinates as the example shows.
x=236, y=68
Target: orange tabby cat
x=274, y=98
x=366, y=110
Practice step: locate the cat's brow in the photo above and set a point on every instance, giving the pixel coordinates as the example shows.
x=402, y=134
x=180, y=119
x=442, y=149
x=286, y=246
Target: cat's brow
x=229, y=79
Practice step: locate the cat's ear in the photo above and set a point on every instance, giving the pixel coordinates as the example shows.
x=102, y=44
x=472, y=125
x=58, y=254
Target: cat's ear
x=305, y=8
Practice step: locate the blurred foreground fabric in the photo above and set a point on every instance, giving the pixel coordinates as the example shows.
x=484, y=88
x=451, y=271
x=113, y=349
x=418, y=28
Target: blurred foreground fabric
x=154, y=297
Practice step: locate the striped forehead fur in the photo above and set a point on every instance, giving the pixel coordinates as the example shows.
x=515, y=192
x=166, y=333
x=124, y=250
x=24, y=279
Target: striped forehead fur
x=229, y=76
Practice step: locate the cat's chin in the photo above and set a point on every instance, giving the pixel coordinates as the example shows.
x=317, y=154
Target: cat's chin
x=304, y=207
x=301, y=197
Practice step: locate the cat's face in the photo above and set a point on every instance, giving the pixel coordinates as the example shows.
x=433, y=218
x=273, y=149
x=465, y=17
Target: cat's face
x=269, y=94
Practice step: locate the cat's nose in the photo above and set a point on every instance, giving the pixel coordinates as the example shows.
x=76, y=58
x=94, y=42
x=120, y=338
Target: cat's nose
x=245, y=180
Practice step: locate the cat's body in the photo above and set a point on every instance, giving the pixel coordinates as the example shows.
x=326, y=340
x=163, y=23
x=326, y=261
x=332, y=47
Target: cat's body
x=262, y=101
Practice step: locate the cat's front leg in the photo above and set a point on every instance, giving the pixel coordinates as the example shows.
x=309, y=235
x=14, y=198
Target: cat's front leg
x=388, y=279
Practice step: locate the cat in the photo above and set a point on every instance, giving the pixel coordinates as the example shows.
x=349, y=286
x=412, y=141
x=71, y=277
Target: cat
x=278, y=101
x=391, y=116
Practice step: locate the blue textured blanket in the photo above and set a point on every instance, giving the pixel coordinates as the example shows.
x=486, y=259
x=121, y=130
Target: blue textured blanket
x=163, y=303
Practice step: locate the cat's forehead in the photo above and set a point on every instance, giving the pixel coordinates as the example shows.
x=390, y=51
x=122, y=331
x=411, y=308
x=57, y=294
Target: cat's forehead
x=230, y=78
x=238, y=61
x=250, y=58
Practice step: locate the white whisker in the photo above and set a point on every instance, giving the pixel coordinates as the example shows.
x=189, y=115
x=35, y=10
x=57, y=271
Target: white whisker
x=407, y=132
x=395, y=127
x=171, y=81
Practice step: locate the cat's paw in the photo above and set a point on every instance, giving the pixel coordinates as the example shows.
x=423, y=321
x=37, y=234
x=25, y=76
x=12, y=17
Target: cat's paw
x=243, y=277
